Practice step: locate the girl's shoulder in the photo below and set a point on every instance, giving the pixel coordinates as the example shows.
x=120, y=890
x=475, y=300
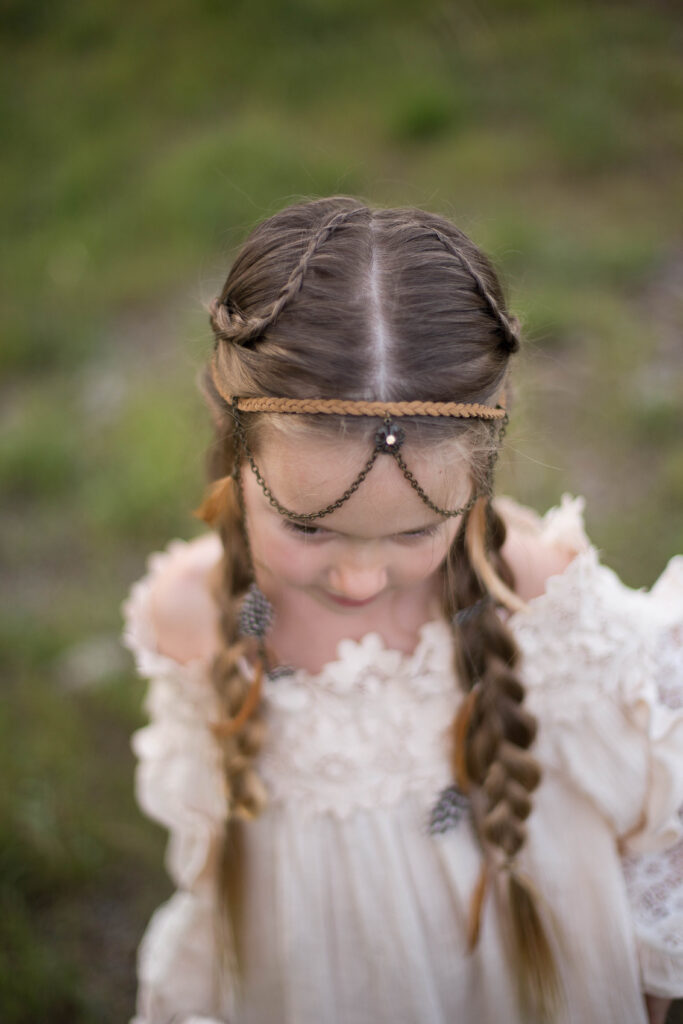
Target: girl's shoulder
x=539, y=547
x=171, y=612
x=556, y=568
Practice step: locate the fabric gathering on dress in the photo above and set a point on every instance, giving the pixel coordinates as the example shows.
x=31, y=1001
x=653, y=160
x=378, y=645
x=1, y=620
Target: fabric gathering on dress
x=352, y=911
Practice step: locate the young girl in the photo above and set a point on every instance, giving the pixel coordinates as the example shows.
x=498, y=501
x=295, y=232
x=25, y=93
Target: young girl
x=420, y=754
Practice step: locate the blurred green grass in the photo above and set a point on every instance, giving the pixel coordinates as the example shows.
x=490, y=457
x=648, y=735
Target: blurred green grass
x=142, y=141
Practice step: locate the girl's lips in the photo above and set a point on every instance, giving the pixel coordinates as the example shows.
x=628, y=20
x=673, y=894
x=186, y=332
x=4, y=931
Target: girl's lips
x=347, y=602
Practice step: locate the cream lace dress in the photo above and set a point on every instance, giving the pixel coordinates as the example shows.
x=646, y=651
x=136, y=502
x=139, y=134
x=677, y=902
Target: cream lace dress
x=353, y=911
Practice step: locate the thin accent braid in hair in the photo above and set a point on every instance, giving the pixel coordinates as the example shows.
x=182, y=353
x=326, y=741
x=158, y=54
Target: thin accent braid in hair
x=234, y=328
x=509, y=327
x=491, y=736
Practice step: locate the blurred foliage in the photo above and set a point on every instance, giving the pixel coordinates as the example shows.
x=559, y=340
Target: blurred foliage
x=141, y=142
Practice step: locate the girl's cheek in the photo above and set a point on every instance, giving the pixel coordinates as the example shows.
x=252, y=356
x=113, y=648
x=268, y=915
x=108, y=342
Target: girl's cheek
x=428, y=561
x=286, y=558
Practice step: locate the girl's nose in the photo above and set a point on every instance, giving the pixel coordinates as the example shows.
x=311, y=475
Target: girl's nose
x=358, y=583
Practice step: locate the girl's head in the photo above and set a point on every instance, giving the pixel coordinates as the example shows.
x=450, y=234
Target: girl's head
x=333, y=300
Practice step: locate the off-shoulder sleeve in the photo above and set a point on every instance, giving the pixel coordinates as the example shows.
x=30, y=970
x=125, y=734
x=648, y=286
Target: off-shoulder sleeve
x=603, y=666
x=179, y=783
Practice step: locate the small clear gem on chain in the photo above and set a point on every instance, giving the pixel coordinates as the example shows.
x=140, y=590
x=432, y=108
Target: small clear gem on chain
x=389, y=437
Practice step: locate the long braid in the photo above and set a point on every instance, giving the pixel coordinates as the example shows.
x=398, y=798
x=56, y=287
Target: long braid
x=241, y=731
x=491, y=761
x=233, y=327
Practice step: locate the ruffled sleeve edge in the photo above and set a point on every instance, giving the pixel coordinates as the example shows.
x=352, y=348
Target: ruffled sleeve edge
x=561, y=526
x=564, y=525
x=179, y=781
x=184, y=972
x=139, y=635
x=661, y=972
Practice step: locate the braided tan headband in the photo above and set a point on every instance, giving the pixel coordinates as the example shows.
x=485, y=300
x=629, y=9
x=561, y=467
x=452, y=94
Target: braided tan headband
x=348, y=407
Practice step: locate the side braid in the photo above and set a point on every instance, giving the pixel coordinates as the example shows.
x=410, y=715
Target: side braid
x=491, y=761
x=240, y=735
x=232, y=327
x=508, y=325
x=241, y=732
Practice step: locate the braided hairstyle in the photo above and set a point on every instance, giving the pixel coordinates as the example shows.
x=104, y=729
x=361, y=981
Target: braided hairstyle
x=332, y=299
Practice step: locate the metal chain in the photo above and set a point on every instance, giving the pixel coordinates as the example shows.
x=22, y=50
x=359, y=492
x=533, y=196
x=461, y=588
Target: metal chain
x=307, y=516
x=243, y=448
x=501, y=429
x=447, y=513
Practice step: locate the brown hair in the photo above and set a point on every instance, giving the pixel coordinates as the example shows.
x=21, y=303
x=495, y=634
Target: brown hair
x=332, y=299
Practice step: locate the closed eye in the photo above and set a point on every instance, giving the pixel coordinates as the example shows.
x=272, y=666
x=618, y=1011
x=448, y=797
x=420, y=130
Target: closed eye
x=303, y=529
x=427, y=531
x=307, y=530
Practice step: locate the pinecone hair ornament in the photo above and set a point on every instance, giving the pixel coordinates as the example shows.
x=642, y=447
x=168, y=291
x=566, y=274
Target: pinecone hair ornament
x=256, y=614
x=216, y=499
x=451, y=807
x=472, y=610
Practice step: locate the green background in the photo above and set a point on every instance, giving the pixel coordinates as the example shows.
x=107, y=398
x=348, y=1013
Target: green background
x=141, y=141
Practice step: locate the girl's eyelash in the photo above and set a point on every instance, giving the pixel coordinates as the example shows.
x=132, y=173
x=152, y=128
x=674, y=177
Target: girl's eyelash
x=302, y=528
x=428, y=531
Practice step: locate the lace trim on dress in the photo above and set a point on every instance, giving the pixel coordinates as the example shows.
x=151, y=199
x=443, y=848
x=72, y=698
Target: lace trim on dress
x=655, y=889
x=372, y=726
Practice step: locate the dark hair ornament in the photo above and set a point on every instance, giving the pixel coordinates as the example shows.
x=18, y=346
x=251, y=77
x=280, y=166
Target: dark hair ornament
x=389, y=437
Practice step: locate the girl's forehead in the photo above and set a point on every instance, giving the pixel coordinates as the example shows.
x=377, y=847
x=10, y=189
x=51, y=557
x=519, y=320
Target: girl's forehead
x=307, y=472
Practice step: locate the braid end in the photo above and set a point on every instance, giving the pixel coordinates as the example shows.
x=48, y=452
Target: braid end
x=460, y=730
x=216, y=501
x=539, y=983
x=477, y=907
